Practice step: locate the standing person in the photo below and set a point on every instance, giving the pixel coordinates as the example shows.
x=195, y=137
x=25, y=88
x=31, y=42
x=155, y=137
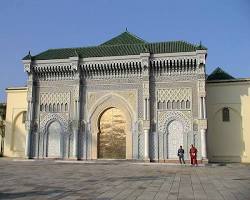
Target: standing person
x=193, y=155
x=181, y=155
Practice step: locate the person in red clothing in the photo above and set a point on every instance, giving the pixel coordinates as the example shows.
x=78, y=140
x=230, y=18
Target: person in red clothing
x=193, y=155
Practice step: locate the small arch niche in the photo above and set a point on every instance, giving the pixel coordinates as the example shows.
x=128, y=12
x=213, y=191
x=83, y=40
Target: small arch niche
x=187, y=104
x=182, y=104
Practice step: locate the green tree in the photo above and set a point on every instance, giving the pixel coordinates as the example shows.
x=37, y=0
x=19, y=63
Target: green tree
x=2, y=126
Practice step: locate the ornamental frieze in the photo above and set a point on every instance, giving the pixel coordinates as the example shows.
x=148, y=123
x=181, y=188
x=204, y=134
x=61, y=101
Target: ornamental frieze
x=176, y=77
x=62, y=97
x=174, y=94
x=113, y=81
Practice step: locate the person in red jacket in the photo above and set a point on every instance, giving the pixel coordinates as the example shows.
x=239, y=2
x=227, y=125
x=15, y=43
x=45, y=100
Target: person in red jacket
x=193, y=155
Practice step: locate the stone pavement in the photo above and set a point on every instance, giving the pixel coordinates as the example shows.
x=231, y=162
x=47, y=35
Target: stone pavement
x=121, y=180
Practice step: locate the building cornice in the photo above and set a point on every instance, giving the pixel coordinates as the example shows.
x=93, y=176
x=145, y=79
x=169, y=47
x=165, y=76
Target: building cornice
x=228, y=82
x=14, y=89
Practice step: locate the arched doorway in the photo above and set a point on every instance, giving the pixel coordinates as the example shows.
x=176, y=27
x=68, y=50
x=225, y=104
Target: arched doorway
x=175, y=138
x=112, y=134
x=18, y=139
x=54, y=140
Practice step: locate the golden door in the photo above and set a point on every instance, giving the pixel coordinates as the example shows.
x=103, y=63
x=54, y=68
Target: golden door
x=112, y=135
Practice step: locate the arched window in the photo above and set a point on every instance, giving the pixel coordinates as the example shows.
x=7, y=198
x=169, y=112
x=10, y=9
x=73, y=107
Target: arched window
x=178, y=104
x=62, y=107
x=46, y=107
x=159, y=105
x=50, y=107
x=174, y=105
x=188, y=104
x=182, y=104
x=169, y=104
x=41, y=107
x=66, y=107
x=164, y=105
x=225, y=115
x=58, y=107
x=54, y=107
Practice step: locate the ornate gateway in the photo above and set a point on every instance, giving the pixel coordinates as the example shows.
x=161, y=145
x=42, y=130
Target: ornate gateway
x=123, y=99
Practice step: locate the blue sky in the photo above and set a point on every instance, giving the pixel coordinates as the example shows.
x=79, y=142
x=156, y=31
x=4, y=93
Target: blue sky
x=222, y=26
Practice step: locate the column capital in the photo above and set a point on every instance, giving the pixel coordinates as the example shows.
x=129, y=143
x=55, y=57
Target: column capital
x=146, y=124
x=202, y=124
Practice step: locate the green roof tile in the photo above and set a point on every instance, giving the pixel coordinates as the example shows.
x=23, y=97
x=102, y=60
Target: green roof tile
x=219, y=74
x=122, y=45
x=125, y=38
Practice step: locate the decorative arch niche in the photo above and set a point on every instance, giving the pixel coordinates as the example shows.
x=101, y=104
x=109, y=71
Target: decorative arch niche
x=18, y=138
x=45, y=132
x=103, y=104
x=54, y=140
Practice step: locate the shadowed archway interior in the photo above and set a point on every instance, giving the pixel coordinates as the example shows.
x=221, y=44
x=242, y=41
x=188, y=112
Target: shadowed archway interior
x=112, y=134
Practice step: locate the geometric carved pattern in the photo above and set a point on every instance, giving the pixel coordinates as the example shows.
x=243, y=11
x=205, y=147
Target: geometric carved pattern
x=141, y=146
x=129, y=96
x=49, y=117
x=54, y=98
x=176, y=94
x=153, y=146
x=164, y=117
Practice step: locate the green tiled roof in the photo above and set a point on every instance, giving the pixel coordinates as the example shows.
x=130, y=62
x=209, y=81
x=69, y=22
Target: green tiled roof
x=219, y=74
x=122, y=45
x=125, y=38
x=171, y=47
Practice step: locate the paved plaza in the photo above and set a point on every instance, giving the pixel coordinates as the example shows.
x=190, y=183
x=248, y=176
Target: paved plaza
x=105, y=180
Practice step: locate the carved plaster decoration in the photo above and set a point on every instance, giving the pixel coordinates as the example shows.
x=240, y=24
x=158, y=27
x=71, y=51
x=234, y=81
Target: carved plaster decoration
x=54, y=72
x=76, y=93
x=46, y=119
x=110, y=70
x=74, y=66
x=181, y=59
x=201, y=76
x=174, y=94
x=146, y=89
x=145, y=64
x=117, y=80
x=202, y=89
x=201, y=58
x=178, y=65
x=46, y=98
x=176, y=77
x=164, y=117
x=29, y=94
x=140, y=126
x=91, y=99
x=58, y=67
x=129, y=96
x=27, y=68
